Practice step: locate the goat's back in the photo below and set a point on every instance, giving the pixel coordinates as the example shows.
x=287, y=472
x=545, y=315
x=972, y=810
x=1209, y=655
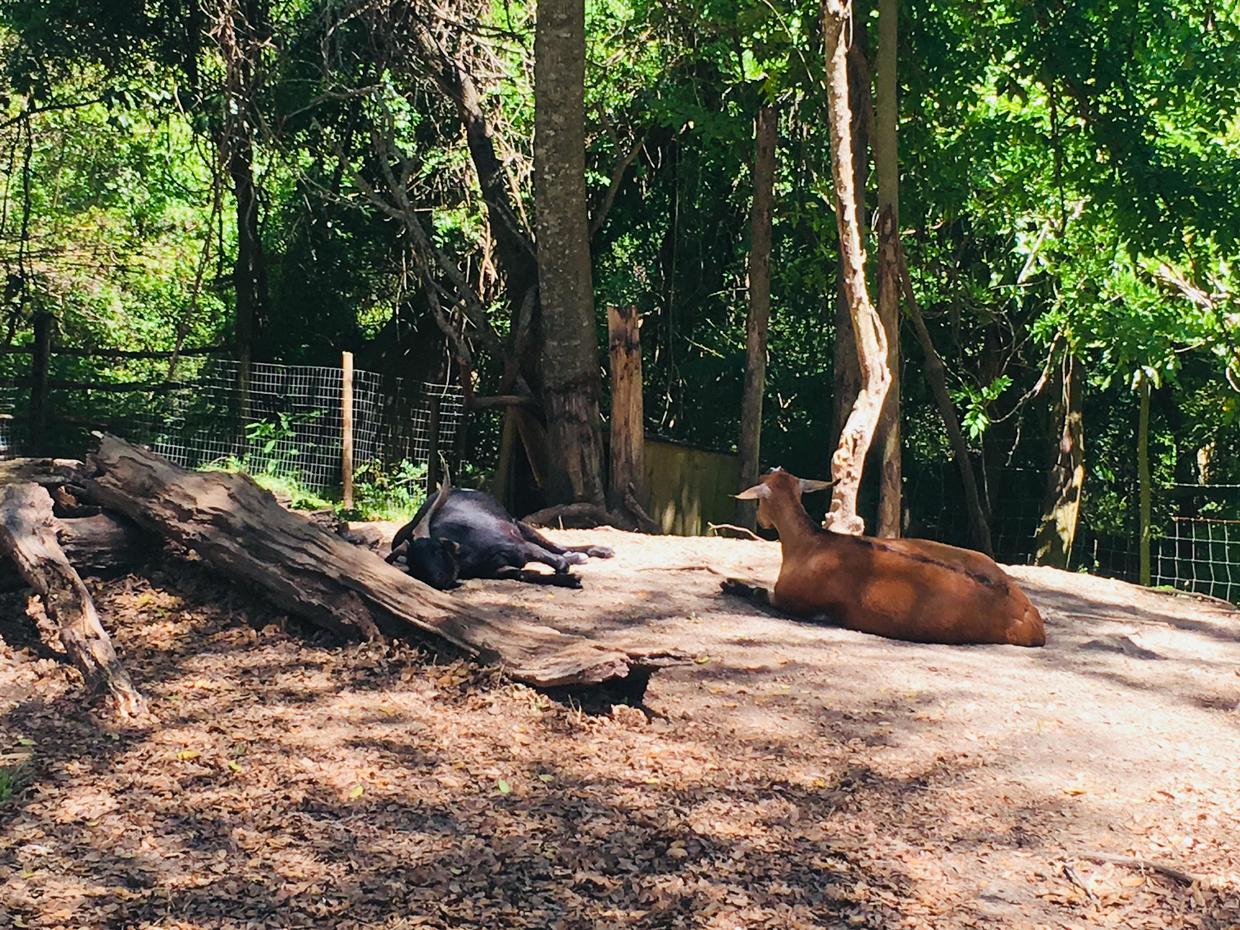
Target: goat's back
x=911, y=589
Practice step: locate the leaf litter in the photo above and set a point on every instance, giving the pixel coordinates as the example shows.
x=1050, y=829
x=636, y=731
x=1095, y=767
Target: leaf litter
x=803, y=777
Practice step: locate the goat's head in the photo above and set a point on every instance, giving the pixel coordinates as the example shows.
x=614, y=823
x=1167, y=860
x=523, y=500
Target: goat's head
x=778, y=485
x=433, y=561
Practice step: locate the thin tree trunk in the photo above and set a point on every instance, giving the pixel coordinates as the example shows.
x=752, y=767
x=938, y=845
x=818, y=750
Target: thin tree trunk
x=887, y=166
x=1143, y=478
x=572, y=384
x=1062, y=507
x=937, y=379
x=849, y=459
x=238, y=36
x=846, y=376
x=756, y=324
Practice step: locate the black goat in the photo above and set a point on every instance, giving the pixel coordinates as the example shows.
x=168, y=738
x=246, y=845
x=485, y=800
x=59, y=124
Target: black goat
x=461, y=533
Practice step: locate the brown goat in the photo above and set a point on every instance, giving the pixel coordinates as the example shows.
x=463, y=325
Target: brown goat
x=910, y=589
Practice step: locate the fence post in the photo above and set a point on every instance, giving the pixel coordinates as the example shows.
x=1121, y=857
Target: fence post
x=627, y=418
x=346, y=428
x=41, y=362
x=432, y=446
x=1143, y=481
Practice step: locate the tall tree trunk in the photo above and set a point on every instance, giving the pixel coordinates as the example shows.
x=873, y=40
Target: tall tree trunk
x=756, y=324
x=846, y=376
x=572, y=384
x=238, y=35
x=937, y=379
x=1062, y=507
x=1143, y=479
x=887, y=166
x=849, y=459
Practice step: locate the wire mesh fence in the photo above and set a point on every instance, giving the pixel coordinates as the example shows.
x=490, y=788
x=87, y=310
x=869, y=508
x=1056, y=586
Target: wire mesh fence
x=1195, y=531
x=286, y=420
x=1200, y=554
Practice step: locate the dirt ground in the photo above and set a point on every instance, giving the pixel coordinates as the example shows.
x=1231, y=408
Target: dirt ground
x=794, y=776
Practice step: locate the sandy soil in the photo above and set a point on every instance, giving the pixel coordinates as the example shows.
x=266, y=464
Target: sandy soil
x=794, y=776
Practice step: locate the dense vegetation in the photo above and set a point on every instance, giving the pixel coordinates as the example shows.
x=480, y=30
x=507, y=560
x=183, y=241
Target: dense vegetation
x=304, y=177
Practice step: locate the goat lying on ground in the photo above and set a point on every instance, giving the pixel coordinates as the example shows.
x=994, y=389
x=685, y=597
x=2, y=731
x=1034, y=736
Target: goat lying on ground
x=467, y=534
x=910, y=589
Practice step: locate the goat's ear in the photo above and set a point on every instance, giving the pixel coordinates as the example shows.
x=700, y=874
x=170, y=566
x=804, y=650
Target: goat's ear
x=809, y=486
x=451, y=545
x=754, y=493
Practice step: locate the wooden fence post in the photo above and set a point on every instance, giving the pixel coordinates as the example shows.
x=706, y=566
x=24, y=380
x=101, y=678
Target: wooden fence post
x=41, y=362
x=432, y=444
x=628, y=436
x=346, y=428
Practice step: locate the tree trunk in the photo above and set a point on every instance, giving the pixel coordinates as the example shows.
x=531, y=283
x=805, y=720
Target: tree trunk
x=846, y=374
x=1143, y=479
x=887, y=166
x=238, y=34
x=758, y=320
x=849, y=459
x=1062, y=506
x=628, y=419
x=240, y=530
x=28, y=536
x=936, y=377
x=571, y=382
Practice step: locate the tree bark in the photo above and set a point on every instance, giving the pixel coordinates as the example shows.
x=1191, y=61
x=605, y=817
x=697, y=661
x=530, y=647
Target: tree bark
x=1062, y=506
x=28, y=536
x=936, y=377
x=240, y=530
x=571, y=382
x=1143, y=480
x=849, y=459
x=238, y=35
x=766, y=136
x=628, y=419
x=887, y=167
x=846, y=375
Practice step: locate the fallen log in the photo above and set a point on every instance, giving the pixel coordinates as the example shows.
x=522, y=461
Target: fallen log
x=240, y=530
x=95, y=545
x=46, y=472
x=28, y=536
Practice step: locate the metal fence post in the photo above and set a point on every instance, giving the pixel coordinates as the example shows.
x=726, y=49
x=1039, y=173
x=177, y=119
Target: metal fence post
x=346, y=427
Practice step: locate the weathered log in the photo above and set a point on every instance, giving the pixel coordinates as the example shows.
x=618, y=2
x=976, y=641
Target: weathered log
x=28, y=536
x=96, y=545
x=46, y=472
x=239, y=529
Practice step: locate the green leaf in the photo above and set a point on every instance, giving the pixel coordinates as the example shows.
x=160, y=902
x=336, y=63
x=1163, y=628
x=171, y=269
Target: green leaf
x=503, y=786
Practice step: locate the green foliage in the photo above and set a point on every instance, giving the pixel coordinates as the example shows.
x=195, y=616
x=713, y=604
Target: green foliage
x=1068, y=183
x=976, y=402
x=387, y=494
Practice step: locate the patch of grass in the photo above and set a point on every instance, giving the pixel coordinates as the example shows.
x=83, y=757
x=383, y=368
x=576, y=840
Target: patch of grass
x=14, y=776
x=379, y=493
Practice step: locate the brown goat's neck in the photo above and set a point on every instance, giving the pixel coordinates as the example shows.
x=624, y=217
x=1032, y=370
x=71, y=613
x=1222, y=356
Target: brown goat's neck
x=794, y=525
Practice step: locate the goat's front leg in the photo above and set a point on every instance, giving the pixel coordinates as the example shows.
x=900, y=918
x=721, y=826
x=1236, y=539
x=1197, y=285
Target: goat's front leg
x=748, y=590
x=563, y=580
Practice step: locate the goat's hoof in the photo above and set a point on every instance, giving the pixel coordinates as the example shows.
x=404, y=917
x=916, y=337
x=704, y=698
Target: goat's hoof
x=575, y=558
x=600, y=552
